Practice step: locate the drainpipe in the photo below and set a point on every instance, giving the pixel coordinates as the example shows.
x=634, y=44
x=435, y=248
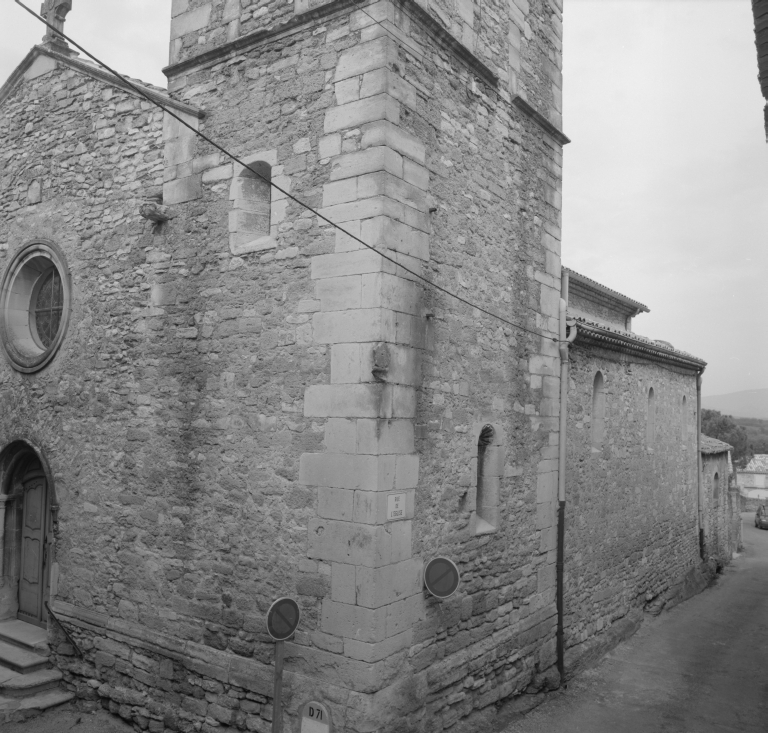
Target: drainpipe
x=564, y=342
x=698, y=465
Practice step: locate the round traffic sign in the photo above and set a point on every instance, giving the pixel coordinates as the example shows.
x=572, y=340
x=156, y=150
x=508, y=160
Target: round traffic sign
x=441, y=576
x=283, y=618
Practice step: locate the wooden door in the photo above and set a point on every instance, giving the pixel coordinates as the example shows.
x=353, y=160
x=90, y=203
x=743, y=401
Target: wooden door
x=32, y=579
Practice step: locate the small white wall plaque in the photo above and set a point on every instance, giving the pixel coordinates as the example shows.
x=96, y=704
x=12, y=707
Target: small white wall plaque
x=315, y=718
x=395, y=506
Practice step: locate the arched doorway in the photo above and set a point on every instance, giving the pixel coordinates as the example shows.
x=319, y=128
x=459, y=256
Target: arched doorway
x=26, y=534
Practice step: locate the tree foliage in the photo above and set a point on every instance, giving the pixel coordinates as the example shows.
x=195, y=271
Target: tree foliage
x=724, y=428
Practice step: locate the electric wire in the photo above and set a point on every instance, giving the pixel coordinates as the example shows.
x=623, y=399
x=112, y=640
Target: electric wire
x=141, y=92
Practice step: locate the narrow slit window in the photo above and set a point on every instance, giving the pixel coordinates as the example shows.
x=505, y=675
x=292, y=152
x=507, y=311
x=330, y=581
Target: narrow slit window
x=650, y=427
x=598, y=411
x=683, y=421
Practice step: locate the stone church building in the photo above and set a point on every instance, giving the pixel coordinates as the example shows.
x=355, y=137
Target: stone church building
x=211, y=398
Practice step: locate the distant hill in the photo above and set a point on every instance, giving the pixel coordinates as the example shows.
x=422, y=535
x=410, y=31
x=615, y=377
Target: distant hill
x=750, y=403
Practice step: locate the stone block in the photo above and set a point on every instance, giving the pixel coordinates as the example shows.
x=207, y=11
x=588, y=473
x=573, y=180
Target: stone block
x=339, y=293
x=345, y=364
x=407, y=476
x=339, y=470
x=385, y=233
x=546, y=488
x=385, y=436
x=353, y=622
x=349, y=543
x=377, y=587
x=356, y=262
x=385, y=81
x=415, y=174
x=364, y=57
x=352, y=165
x=341, y=434
x=389, y=135
x=191, y=20
x=354, y=114
x=381, y=183
x=375, y=651
x=546, y=577
x=178, y=7
x=333, y=503
x=347, y=90
x=376, y=400
x=546, y=514
x=347, y=326
x=182, y=190
x=340, y=192
x=180, y=150
x=401, y=535
x=403, y=615
x=220, y=173
x=378, y=206
x=343, y=588
x=329, y=146
x=241, y=243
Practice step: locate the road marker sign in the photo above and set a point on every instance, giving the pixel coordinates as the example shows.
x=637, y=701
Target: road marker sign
x=283, y=618
x=315, y=718
x=441, y=577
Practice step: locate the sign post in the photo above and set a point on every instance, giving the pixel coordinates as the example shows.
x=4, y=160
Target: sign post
x=441, y=577
x=282, y=619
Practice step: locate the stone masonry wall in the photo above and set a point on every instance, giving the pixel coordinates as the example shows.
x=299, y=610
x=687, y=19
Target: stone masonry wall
x=631, y=517
x=721, y=503
x=495, y=180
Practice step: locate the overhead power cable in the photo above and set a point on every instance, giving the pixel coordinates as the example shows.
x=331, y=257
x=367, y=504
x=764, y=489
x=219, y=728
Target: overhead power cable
x=141, y=92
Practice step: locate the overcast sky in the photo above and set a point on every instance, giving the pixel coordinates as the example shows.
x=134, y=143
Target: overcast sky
x=665, y=196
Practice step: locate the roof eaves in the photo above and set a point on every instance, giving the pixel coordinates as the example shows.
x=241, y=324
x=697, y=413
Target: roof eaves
x=713, y=445
x=589, y=282
x=618, y=340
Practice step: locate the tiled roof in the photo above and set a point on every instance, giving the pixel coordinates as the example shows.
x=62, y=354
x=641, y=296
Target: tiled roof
x=713, y=445
x=618, y=339
x=608, y=291
x=759, y=463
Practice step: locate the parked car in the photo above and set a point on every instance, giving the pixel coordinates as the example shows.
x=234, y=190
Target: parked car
x=761, y=517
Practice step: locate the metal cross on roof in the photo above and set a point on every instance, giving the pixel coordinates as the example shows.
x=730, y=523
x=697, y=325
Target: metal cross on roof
x=55, y=13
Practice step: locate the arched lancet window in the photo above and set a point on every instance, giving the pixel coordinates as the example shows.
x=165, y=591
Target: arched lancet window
x=488, y=480
x=683, y=421
x=251, y=214
x=598, y=411
x=650, y=425
x=716, y=489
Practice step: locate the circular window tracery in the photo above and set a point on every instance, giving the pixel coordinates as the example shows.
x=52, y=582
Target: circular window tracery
x=34, y=297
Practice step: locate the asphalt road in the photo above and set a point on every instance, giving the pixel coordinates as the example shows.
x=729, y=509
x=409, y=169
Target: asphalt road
x=700, y=668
